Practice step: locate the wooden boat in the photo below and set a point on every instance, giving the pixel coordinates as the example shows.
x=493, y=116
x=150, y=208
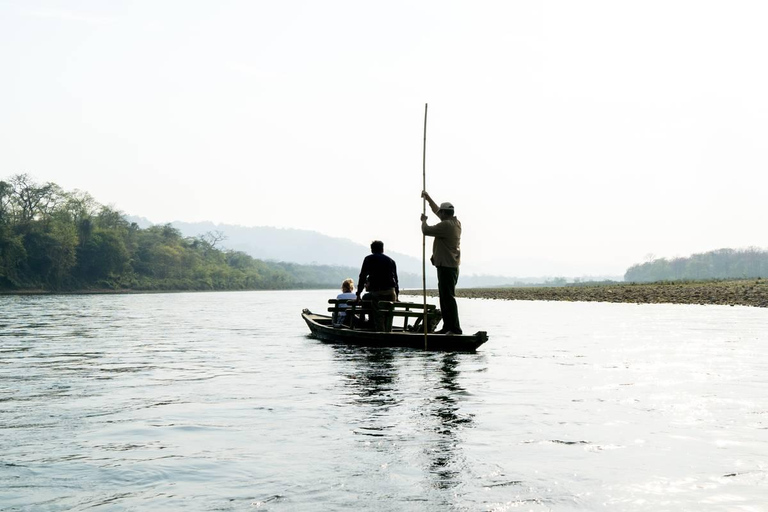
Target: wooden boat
x=355, y=332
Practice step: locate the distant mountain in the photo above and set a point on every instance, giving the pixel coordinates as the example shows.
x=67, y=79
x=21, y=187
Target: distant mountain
x=292, y=245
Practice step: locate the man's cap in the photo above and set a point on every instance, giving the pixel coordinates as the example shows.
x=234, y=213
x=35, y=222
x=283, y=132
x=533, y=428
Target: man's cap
x=445, y=206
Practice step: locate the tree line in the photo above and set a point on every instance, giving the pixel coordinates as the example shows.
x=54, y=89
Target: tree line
x=52, y=239
x=718, y=264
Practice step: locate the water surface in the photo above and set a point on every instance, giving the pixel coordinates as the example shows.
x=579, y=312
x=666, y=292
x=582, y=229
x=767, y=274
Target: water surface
x=220, y=401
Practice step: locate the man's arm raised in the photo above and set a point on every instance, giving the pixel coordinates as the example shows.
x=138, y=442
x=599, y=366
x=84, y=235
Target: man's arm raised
x=432, y=204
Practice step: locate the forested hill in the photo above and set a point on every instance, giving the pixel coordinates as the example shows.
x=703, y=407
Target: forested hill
x=719, y=264
x=52, y=239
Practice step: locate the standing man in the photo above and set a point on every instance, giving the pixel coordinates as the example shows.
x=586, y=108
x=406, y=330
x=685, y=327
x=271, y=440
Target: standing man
x=378, y=276
x=446, y=257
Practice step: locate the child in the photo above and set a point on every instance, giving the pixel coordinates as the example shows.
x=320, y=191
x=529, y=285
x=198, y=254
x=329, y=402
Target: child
x=348, y=293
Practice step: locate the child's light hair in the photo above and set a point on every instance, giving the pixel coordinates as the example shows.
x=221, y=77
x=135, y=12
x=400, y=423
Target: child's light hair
x=348, y=285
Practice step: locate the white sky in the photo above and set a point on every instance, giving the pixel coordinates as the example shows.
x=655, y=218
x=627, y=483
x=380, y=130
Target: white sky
x=574, y=137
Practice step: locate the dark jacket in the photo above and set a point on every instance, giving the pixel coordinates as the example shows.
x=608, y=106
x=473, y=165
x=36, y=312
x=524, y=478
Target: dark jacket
x=381, y=272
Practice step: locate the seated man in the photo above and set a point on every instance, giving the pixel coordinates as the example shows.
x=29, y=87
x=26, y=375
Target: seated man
x=381, y=273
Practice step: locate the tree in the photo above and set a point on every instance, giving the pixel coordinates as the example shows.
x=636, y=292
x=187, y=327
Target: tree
x=103, y=256
x=12, y=257
x=80, y=205
x=213, y=237
x=6, y=193
x=111, y=218
x=51, y=250
x=32, y=201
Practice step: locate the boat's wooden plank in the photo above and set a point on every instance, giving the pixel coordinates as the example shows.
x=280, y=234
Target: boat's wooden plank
x=404, y=314
x=418, y=316
x=406, y=305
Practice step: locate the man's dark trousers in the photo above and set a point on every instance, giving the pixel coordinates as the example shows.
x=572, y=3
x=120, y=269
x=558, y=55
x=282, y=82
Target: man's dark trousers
x=447, y=277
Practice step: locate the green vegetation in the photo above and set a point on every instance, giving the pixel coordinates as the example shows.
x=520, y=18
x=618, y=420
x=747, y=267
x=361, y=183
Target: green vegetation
x=55, y=240
x=719, y=264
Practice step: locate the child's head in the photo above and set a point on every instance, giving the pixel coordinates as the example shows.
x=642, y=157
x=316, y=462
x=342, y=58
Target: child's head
x=348, y=285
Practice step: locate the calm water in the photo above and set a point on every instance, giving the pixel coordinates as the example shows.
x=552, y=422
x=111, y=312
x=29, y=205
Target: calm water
x=219, y=401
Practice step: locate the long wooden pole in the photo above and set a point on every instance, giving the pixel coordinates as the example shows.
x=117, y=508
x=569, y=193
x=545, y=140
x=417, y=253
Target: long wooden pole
x=423, y=236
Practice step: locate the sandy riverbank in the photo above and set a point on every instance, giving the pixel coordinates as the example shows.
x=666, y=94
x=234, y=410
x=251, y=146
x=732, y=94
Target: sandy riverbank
x=747, y=292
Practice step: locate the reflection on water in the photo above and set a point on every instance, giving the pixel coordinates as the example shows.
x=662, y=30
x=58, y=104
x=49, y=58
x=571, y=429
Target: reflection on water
x=371, y=375
x=417, y=433
x=222, y=402
x=448, y=464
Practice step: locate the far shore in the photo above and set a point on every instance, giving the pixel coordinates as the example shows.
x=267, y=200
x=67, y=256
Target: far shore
x=99, y=291
x=742, y=292
x=125, y=291
x=738, y=292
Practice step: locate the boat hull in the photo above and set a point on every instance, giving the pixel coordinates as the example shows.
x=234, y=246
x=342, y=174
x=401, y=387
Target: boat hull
x=322, y=328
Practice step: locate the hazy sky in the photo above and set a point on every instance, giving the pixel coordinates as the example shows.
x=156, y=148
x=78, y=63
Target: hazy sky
x=574, y=137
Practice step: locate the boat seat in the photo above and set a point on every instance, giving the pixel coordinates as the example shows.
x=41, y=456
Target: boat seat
x=391, y=310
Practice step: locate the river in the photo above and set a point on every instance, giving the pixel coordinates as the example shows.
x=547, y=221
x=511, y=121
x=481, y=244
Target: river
x=220, y=401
